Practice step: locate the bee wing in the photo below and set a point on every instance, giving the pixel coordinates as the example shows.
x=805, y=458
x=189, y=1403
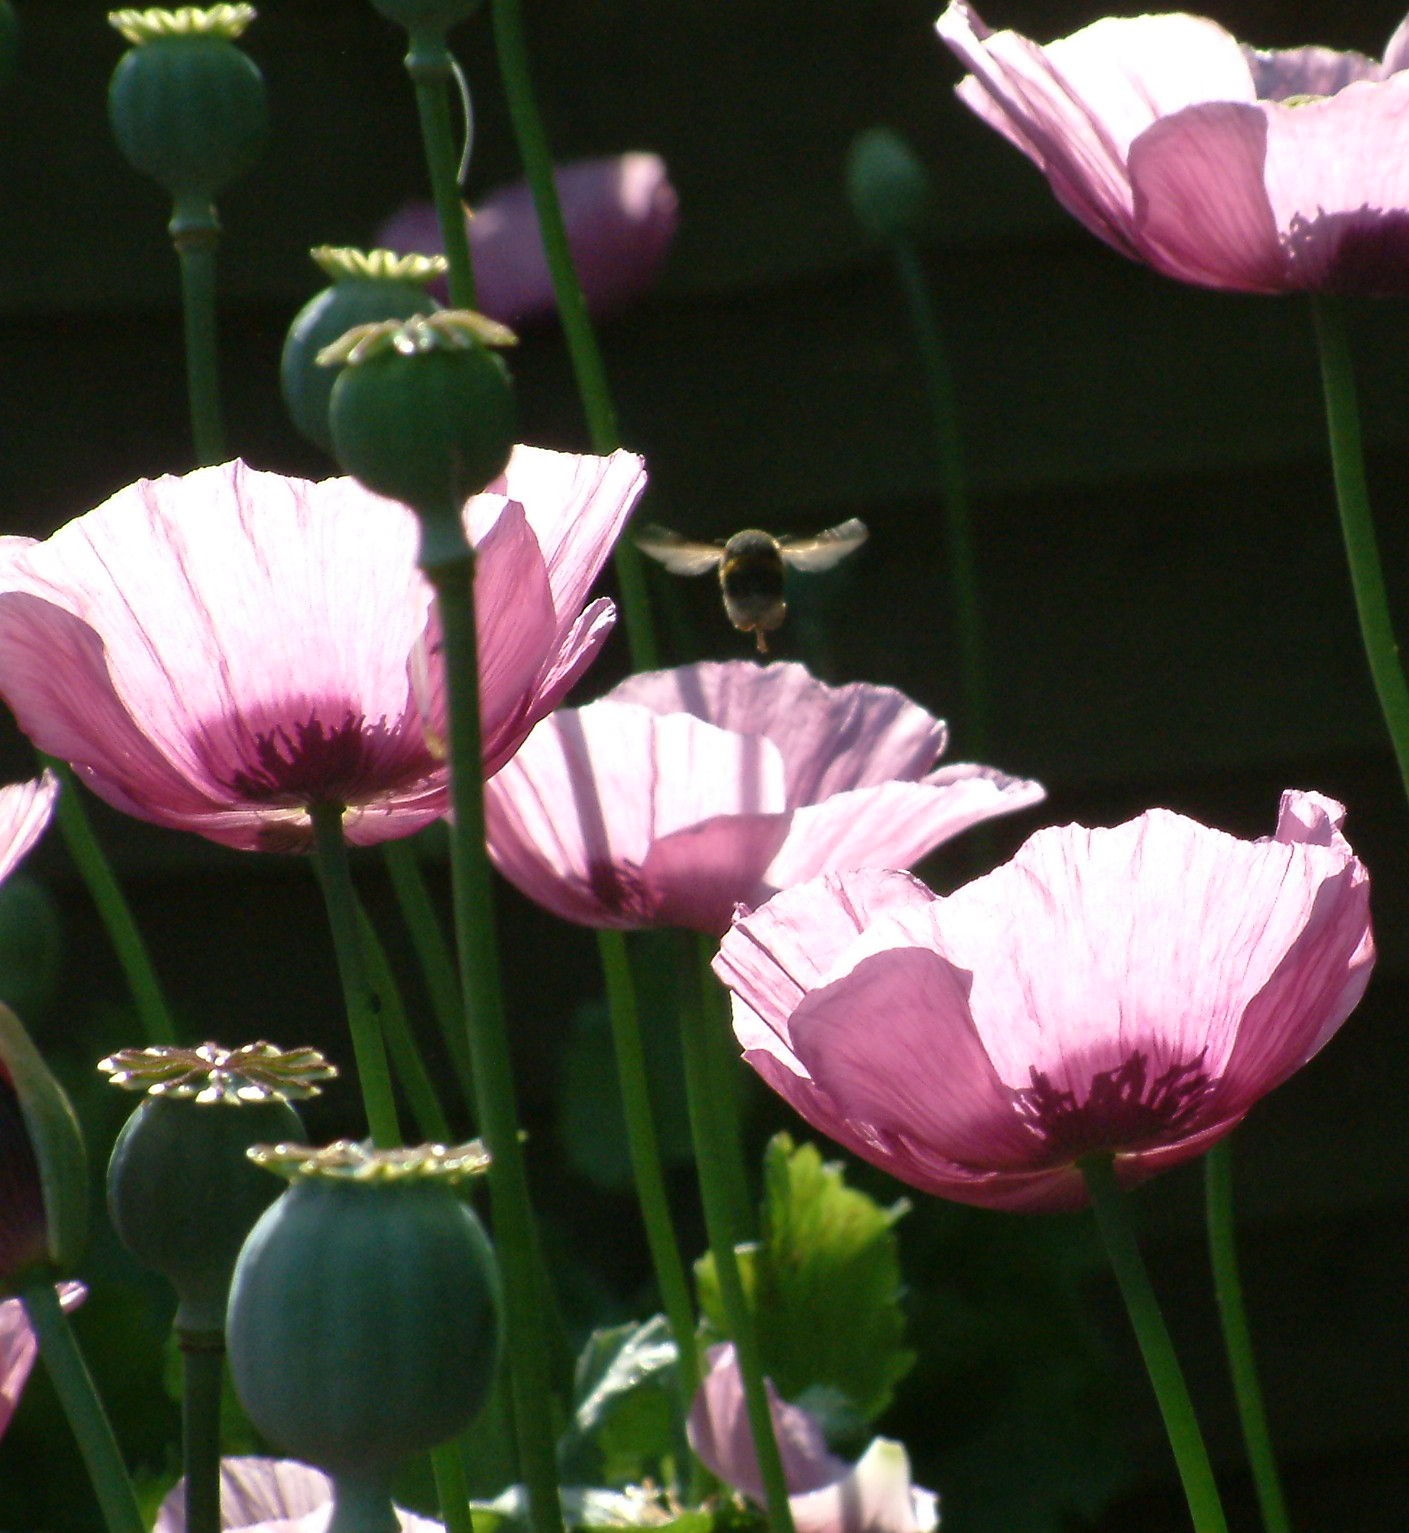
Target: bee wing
x=681, y=556
x=826, y=548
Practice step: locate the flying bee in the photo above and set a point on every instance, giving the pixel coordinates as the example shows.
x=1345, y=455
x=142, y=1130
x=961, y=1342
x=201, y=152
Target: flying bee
x=751, y=567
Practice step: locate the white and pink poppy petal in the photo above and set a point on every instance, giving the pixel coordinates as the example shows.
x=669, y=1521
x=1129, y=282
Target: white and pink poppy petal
x=19, y=1347
x=25, y=811
x=578, y=507
x=1311, y=819
x=1396, y=51
x=722, y=1437
x=832, y=738
x=1278, y=73
x=876, y=1496
x=896, y=823
x=695, y=874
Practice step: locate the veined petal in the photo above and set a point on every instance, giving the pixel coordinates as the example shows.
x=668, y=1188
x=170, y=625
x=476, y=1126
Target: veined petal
x=19, y=1347
x=1314, y=71
x=25, y=811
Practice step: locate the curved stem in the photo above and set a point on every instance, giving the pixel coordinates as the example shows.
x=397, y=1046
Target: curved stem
x=195, y=232
x=451, y=1488
x=202, y=1360
x=335, y=879
x=646, y=1161
x=416, y=1082
x=1237, y=1337
x=1357, y=525
x=74, y=1386
x=1181, y=1425
x=585, y=355
x=448, y=561
x=433, y=952
x=713, y=1153
x=113, y=909
x=958, y=521
x=432, y=72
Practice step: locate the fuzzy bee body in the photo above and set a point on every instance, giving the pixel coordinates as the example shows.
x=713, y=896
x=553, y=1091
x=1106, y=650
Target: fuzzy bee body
x=751, y=567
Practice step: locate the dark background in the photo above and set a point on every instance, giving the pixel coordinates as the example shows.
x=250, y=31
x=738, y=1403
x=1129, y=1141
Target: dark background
x=1168, y=613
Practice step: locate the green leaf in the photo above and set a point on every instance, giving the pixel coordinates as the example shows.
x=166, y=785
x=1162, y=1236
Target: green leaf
x=824, y=1285
x=626, y=1425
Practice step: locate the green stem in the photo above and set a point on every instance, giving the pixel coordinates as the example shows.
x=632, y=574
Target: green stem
x=195, y=232
x=74, y=1386
x=646, y=1160
x=363, y=1020
x=1357, y=525
x=958, y=521
x=431, y=1123
x=433, y=952
x=202, y=1357
x=113, y=909
x=1237, y=1337
x=451, y=1488
x=583, y=352
x=1117, y=1230
x=448, y=562
x=711, y=1132
x=432, y=69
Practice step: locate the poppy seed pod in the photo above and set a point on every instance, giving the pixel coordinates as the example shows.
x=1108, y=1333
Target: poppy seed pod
x=186, y=105
x=363, y=1314
x=887, y=186
x=366, y=288
x=423, y=411
x=181, y=1191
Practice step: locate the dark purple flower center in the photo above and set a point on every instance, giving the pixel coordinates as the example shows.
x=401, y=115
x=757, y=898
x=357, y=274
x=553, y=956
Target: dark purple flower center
x=622, y=890
x=349, y=763
x=1123, y=1108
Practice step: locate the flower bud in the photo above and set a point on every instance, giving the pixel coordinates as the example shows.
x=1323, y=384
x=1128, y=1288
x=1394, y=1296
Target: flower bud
x=423, y=411
x=887, y=186
x=43, y=1168
x=366, y=288
x=435, y=17
x=186, y=105
x=182, y=1193
x=363, y=1314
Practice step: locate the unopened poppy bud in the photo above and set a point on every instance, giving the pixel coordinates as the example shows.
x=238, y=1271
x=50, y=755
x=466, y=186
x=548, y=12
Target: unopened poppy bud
x=363, y=1314
x=181, y=1191
x=426, y=16
x=367, y=288
x=423, y=411
x=44, y=1191
x=186, y=105
x=887, y=186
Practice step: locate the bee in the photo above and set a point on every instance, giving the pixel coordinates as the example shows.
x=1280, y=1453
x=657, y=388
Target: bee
x=751, y=566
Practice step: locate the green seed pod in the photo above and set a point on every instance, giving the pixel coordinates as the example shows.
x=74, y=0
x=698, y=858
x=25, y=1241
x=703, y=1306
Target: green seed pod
x=186, y=105
x=366, y=288
x=426, y=16
x=423, y=411
x=887, y=186
x=362, y=1325
x=182, y=1193
x=44, y=1185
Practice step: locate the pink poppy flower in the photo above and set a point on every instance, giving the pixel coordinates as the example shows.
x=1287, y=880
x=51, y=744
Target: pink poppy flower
x=19, y=1347
x=1132, y=990
x=25, y=811
x=825, y=1494
x=684, y=793
x=217, y=652
x=620, y=214
x=1210, y=161
x=271, y=1495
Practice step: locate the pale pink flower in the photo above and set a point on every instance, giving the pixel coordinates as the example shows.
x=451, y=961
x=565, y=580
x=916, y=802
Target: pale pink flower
x=217, y=652
x=272, y=1495
x=684, y=793
x=19, y=1347
x=825, y=1493
x=619, y=212
x=1212, y=162
x=25, y=811
x=1132, y=990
